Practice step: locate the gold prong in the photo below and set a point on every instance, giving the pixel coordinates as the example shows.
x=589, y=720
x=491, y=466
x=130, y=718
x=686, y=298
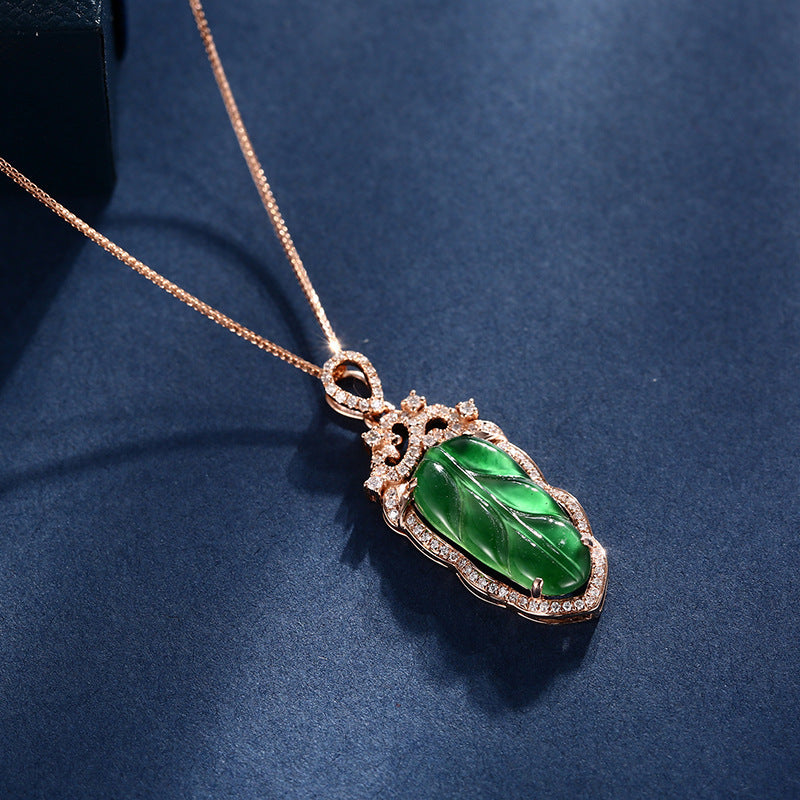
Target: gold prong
x=536, y=588
x=406, y=495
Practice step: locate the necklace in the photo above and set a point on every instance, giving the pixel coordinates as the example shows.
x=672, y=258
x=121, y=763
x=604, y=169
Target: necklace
x=451, y=482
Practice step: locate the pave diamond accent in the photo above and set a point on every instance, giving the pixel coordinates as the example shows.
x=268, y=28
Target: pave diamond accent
x=374, y=484
x=467, y=409
x=373, y=437
x=413, y=403
x=349, y=363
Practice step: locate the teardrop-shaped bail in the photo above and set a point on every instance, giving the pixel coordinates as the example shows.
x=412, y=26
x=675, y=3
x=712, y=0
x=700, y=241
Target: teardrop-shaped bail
x=353, y=366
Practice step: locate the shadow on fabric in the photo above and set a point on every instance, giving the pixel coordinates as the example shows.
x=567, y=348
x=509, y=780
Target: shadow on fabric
x=37, y=250
x=196, y=234
x=508, y=662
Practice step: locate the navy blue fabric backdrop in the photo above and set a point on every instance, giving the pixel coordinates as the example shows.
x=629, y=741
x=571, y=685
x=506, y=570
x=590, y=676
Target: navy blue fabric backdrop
x=584, y=215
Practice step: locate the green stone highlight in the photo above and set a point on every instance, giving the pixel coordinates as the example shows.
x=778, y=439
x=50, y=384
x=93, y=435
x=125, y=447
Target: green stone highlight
x=476, y=495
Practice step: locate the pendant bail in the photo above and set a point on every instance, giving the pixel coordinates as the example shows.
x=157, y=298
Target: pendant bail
x=353, y=366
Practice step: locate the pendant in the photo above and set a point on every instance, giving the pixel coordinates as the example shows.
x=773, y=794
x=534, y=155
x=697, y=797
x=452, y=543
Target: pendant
x=472, y=501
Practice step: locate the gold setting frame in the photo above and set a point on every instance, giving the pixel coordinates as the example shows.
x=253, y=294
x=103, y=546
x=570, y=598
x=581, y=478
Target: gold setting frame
x=391, y=484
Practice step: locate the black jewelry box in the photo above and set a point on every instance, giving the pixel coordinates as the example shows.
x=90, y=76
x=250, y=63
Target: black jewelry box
x=57, y=69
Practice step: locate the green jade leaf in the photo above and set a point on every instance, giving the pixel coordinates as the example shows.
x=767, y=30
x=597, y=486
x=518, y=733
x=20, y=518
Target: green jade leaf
x=476, y=495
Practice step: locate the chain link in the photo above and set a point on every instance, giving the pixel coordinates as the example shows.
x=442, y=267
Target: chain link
x=267, y=198
x=259, y=178
x=153, y=276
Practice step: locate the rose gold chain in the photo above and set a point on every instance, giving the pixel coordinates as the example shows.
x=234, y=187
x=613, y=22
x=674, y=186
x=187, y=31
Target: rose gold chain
x=151, y=275
x=267, y=198
x=259, y=178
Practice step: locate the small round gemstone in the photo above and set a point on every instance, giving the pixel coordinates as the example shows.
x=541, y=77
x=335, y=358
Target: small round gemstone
x=467, y=409
x=373, y=436
x=374, y=483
